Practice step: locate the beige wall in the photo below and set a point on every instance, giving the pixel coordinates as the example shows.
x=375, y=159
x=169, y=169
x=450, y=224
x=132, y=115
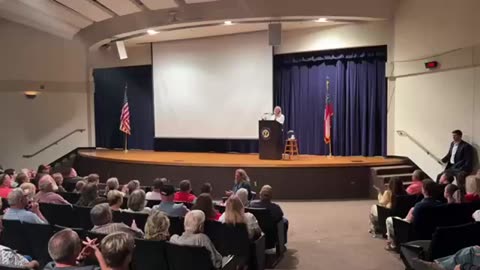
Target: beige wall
x=105, y=58
x=30, y=58
x=336, y=37
x=430, y=105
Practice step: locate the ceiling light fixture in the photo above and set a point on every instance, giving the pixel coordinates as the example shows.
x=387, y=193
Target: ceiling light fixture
x=321, y=20
x=152, y=32
x=228, y=23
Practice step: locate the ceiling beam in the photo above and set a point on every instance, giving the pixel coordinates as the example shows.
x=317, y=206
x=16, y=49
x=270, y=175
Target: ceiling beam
x=89, y=9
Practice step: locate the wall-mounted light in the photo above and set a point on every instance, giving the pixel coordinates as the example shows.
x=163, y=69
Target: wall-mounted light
x=152, y=32
x=321, y=20
x=31, y=94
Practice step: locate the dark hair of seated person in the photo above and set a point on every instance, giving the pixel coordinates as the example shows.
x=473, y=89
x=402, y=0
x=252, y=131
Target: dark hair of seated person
x=185, y=185
x=395, y=185
x=430, y=187
x=89, y=196
x=204, y=203
x=206, y=188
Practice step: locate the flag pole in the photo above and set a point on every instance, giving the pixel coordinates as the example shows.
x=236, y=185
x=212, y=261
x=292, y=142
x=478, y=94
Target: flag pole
x=126, y=143
x=330, y=126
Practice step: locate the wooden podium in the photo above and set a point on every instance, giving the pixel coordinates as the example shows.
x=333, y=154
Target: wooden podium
x=270, y=139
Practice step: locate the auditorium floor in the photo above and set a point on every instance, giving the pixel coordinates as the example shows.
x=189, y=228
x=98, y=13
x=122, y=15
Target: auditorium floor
x=333, y=235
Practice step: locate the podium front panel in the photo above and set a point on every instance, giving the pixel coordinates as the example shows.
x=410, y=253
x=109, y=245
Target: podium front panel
x=270, y=140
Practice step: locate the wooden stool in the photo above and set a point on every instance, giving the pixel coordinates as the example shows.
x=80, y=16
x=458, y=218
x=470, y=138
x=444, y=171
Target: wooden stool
x=291, y=148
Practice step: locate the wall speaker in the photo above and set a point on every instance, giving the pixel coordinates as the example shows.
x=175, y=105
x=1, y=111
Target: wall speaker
x=275, y=34
x=122, y=52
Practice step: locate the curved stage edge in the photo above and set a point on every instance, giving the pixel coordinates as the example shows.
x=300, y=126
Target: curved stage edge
x=304, y=178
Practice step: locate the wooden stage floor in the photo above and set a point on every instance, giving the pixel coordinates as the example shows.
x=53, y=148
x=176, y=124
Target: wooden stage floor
x=234, y=160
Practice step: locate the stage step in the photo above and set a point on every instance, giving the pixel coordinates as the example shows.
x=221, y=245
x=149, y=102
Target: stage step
x=405, y=177
x=381, y=170
x=381, y=175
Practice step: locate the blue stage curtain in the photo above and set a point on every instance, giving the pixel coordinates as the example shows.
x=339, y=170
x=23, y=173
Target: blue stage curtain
x=358, y=91
x=109, y=89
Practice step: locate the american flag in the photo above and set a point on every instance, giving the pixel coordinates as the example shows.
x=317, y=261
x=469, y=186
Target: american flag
x=125, y=116
x=328, y=115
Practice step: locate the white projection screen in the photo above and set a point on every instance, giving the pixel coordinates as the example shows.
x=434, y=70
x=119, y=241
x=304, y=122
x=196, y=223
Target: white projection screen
x=215, y=87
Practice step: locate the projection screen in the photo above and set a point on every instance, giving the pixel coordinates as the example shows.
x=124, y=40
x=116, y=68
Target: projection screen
x=215, y=87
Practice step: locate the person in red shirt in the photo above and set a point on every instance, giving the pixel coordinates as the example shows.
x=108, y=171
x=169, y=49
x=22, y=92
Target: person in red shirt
x=184, y=194
x=415, y=188
x=204, y=203
x=5, y=185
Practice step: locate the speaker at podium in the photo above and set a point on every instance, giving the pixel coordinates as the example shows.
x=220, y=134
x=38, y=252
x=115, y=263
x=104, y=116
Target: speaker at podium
x=270, y=139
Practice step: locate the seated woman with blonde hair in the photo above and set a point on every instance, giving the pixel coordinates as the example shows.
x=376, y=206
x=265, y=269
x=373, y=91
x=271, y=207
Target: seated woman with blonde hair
x=157, y=226
x=115, y=200
x=235, y=214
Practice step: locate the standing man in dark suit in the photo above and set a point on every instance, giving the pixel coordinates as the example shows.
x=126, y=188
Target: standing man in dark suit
x=459, y=158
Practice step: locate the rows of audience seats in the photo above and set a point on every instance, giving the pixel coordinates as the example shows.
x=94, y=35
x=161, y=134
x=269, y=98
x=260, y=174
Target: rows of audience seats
x=71, y=211
x=434, y=235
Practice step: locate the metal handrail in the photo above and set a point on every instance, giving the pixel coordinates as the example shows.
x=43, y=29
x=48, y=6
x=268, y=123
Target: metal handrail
x=55, y=142
x=405, y=134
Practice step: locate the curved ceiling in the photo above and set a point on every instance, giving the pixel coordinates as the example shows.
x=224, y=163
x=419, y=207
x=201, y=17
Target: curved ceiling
x=97, y=22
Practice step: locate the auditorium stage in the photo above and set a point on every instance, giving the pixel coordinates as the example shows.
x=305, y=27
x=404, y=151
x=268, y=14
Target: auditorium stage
x=305, y=177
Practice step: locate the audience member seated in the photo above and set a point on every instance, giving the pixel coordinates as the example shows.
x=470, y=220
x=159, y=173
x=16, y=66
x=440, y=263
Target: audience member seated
x=89, y=196
x=46, y=194
x=452, y=194
x=204, y=203
x=386, y=199
x=447, y=178
x=155, y=194
x=131, y=187
x=115, y=200
x=65, y=249
x=11, y=172
x=22, y=178
x=101, y=216
x=235, y=214
x=472, y=187
x=415, y=188
x=459, y=159
x=5, y=185
x=58, y=178
x=194, y=236
x=93, y=179
x=429, y=188
x=71, y=179
x=117, y=250
x=112, y=184
x=465, y=259
x=136, y=202
x=10, y=257
x=185, y=195
x=157, y=226
x=206, y=188
x=168, y=206
x=42, y=169
x=243, y=196
x=29, y=190
x=79, y=186
x=18, y=202
x=241, y=181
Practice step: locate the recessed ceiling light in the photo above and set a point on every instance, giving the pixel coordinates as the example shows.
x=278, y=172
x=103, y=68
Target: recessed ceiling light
x=320, y=20
x=228, y=23
x=152, y=32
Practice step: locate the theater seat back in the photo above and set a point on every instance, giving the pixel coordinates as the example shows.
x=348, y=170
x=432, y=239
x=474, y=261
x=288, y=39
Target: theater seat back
x=448, y=240
x=188, y=257
x=149, y=255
